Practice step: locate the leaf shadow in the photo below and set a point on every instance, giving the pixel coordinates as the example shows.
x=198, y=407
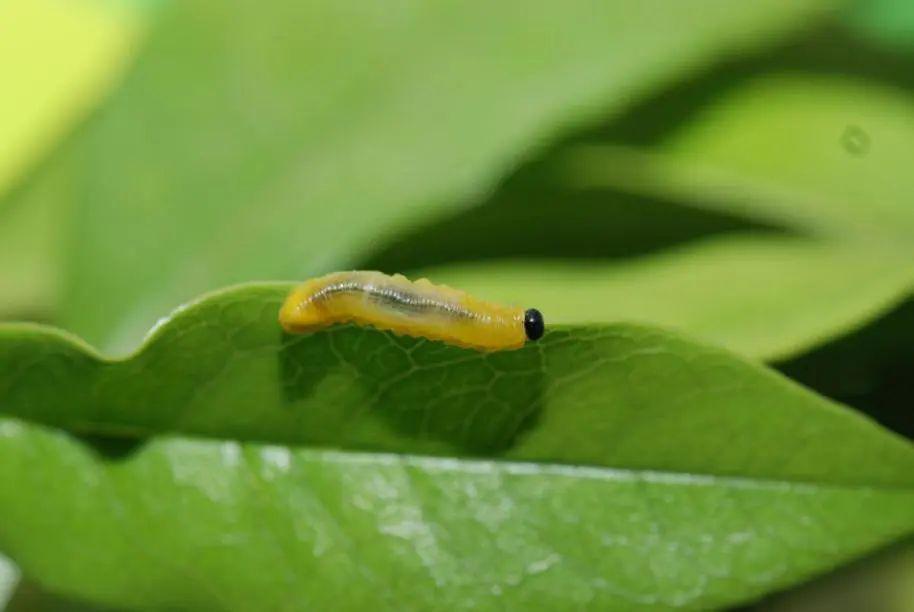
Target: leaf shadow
x=870, y=582
x=442, y=399
x=29, y=596
x=871, y=369
x=532, y=219
x=111, y=448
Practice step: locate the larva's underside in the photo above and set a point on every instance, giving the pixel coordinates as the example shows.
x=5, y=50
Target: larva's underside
x=394, y=303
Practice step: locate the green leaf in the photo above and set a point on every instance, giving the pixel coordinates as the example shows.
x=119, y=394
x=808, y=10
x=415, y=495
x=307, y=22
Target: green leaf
x=30, y=259
x=222, y=367
x=844, y=156
x=619, y=467
x=889, y=22
x=825, y=206
x=764, y=297
x=283, y=141
x=839, y=172
x=78, y=48
x=262, y=527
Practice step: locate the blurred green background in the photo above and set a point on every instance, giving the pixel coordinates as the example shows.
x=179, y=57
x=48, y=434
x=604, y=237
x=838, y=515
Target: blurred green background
x=737, y=171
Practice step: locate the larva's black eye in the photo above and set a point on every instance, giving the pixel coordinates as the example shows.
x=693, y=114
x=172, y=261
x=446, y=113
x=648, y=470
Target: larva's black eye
x=533, y=324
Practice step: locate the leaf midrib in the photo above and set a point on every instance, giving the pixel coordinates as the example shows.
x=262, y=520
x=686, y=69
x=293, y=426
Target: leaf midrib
x=513, y=466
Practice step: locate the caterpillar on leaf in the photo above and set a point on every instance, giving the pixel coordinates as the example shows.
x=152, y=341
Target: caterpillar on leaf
x=419, y=309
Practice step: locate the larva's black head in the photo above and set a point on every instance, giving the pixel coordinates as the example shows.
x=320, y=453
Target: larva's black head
x=533, y=324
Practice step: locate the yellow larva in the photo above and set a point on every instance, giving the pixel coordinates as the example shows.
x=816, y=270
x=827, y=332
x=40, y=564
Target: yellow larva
x=418, y=309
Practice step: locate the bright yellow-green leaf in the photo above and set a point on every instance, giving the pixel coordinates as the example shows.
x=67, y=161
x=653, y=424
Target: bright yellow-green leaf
x=842, y=146
x=824, y=154
x=30, y=253
x=57, y=59
x=762, y=296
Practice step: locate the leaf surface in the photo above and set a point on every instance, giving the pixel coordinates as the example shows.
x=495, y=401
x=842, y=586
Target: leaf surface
x=253, y=526
x=222, y=367
x=617, y=466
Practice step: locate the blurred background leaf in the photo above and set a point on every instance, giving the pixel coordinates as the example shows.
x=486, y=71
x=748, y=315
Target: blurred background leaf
x=824, y=154
x=30, y=260
x=286, y=142
x=818, y=224
x=728, y=290
x=887, y=22
x=58, y=59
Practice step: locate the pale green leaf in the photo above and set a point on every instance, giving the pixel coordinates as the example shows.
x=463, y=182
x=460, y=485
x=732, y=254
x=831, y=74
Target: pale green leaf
x=822, y=154
x=763, y=296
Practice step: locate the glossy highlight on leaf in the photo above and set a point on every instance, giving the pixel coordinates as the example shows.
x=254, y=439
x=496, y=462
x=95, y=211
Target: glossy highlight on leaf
x=343, y=530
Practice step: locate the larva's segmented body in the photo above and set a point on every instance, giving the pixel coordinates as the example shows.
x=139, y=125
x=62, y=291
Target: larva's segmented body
x=418, y=309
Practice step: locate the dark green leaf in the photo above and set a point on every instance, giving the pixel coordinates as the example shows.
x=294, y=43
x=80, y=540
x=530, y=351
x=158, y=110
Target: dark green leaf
x=223, y=368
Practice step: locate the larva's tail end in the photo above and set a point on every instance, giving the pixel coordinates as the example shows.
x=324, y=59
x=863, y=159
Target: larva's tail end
x=293, y=324
x=298, y=316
